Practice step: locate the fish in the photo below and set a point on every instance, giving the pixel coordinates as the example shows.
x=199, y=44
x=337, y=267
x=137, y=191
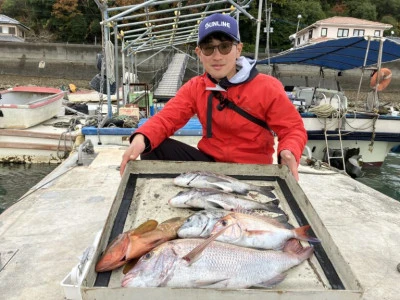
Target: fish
x=201, y=179
x=134, y=243
x=256, y=231
x=142, y=243
x=201, y=223
x=114, y=256
x=209, y=198
x=221, y=265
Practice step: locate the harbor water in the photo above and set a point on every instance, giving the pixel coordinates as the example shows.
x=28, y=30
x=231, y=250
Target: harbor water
x=18, y=179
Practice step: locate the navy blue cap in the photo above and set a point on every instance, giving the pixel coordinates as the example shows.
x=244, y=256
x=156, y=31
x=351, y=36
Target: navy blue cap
x=219, y=23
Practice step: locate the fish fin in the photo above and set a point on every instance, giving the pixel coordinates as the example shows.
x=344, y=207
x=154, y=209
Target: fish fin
x=196, y=252
x=147, y=226
x=301, y=234
x=294, y=247
x=129, y=265
x=212, y=205
x=208, y=283
x=223, y=187
x=271, y=282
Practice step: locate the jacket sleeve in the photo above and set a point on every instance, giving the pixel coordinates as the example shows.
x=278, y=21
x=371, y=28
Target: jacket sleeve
x=174, y=115
x=283, y=118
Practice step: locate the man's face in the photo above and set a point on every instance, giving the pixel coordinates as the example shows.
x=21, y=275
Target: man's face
x=217, y=64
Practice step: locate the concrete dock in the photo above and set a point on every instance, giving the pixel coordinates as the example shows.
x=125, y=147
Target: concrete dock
x=43, y=236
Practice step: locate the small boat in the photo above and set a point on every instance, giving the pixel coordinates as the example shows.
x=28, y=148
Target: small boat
x=330, y=124
x=25, y=106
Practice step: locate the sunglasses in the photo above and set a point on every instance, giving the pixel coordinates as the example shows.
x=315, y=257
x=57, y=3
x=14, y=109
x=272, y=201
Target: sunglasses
x=224, y=48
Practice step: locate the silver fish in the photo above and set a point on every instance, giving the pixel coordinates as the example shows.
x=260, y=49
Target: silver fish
x=221, y=265
x=207, y=198
x=255, y=231
x=201, y=223
x=200, y=179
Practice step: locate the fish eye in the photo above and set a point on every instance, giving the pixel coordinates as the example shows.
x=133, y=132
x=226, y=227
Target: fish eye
x=148, y=255
x=188, y=220
x=224, y=222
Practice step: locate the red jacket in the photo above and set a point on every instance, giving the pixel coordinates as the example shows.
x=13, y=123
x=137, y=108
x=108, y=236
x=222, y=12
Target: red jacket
x=234, y=138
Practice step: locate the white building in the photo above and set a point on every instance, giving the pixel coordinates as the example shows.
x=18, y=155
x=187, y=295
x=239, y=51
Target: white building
x=11, y=30
x=337, y=27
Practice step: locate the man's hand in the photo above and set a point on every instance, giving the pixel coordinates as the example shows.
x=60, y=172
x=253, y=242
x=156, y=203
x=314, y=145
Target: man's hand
x=288, y=159
x=135, y=149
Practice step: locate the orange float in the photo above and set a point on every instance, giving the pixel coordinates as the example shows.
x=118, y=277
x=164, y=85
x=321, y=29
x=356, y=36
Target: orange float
x=382, y=78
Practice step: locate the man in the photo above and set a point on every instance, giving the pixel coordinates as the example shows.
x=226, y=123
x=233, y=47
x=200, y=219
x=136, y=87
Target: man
x=239, y=109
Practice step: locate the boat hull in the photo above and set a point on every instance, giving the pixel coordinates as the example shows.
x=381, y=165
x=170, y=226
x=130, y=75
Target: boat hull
x=25, y=106
x=373, y=134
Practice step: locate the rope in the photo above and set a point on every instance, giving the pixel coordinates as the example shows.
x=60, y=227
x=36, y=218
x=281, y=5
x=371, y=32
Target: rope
x=73, y=122
x=371, y=145
x=323, y=110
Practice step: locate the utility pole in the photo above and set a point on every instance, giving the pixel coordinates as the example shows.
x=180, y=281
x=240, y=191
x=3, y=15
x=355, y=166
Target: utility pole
x=268, y=25
x=258, y=29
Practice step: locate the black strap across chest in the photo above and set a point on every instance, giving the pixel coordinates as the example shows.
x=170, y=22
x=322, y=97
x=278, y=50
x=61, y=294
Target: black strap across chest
x=225, y=102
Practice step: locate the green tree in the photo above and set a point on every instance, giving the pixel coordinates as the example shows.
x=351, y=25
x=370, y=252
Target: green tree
x=361, y=9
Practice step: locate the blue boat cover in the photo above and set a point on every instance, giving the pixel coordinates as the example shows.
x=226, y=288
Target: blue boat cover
x=340, y=54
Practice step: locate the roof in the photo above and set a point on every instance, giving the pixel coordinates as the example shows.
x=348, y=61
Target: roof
x=352, y=21
x=349, y=22
x=10, y=38
x=7, y=20
x=341, y=54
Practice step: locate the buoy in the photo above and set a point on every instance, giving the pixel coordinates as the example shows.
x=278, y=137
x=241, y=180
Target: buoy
x=72, y=87
x=384, y=76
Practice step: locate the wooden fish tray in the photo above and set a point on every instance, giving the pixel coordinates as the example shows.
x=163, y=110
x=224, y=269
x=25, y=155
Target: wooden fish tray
x=143, y=194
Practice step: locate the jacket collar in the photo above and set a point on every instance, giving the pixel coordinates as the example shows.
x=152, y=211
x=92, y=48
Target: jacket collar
x=246, y=72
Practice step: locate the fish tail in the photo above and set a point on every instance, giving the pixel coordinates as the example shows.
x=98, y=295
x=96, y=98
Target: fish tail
x=273, y=206
x=294, y=247
x=266, y=190
x=301, y=234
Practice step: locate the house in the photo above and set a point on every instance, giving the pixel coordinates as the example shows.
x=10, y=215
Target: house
x=11, y=30
x=337, y=27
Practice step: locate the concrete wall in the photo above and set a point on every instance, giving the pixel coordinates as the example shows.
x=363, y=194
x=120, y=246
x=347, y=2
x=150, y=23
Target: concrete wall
x=73, y=61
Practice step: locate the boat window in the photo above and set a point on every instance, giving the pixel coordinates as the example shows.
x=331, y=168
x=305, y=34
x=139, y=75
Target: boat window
x=377, y=33
x=324, y=32
x=358, y=32
x=310, y=34
x=342, y=32
x=11, y=30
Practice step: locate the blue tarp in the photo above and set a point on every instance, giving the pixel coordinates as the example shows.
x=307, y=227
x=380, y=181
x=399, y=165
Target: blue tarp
x=340, y=54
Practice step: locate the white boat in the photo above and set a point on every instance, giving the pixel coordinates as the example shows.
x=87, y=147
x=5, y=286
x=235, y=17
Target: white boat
x=368, y=132
x=25, y=106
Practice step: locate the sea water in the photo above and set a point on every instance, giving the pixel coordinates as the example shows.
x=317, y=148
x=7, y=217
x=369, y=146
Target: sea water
x=385, y=179
x=17, y=179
